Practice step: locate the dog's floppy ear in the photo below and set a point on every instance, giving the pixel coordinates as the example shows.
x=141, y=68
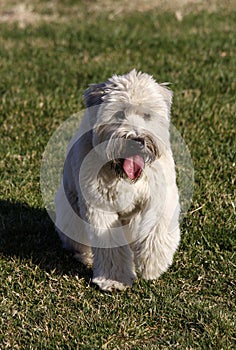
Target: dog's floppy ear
x=166, y=93
x=93, y=95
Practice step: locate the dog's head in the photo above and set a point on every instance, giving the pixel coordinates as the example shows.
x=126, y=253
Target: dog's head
x=130, y=115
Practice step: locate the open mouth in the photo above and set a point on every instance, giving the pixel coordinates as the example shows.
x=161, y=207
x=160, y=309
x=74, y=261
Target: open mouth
x=133, y=166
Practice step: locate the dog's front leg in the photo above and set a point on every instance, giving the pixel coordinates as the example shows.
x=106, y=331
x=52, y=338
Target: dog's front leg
x=113, y=266
x=154, y=254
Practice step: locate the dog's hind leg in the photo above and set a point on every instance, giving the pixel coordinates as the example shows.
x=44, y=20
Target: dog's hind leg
x=81, y=251
x=71, y=229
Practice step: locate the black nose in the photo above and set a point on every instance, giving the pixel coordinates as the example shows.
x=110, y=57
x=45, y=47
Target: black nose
x=140, y=141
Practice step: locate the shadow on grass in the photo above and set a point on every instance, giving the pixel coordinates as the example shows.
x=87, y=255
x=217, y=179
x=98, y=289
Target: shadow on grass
x=28, y=233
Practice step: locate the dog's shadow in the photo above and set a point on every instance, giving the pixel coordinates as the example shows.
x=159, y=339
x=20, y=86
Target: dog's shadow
x=28, y=233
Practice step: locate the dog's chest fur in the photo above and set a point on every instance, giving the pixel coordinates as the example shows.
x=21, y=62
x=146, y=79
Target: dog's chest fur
x=129, y=197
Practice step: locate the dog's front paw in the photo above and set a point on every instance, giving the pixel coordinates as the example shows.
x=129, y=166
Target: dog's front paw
x=109, y=285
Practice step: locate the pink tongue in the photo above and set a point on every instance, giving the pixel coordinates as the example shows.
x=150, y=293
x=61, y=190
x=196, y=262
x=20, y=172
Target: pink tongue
x=133, y=166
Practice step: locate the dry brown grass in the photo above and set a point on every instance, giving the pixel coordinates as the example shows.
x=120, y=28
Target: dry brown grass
x=35, y=11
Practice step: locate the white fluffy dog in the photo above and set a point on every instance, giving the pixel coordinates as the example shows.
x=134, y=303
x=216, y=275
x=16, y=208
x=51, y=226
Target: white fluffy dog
x=118, y=205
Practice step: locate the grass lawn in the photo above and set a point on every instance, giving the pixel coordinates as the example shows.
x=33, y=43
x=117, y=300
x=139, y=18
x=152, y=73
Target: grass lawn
x=49, y=53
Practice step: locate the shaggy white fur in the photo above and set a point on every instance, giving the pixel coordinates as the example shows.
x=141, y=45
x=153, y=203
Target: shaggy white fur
x=118, y=205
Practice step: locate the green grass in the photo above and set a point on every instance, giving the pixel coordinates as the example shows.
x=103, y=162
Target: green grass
x=47, y=301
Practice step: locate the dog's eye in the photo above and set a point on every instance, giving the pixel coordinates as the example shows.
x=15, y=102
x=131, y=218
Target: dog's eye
x=119, y=115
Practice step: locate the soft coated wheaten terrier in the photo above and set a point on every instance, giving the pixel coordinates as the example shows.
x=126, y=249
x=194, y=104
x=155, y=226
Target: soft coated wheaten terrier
x=118, y=205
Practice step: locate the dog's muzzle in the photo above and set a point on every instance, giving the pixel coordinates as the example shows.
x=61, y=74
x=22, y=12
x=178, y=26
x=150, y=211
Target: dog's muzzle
x=136, y=152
